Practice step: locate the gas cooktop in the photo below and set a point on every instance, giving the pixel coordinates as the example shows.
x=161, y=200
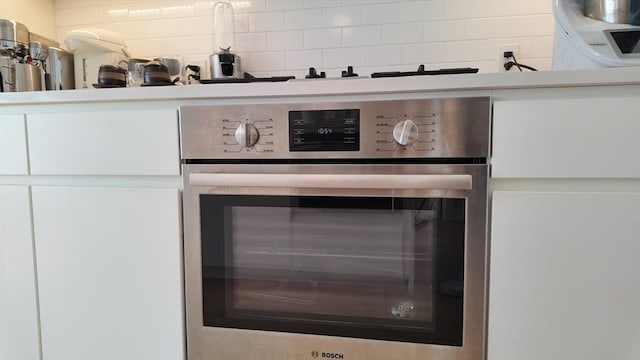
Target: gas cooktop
x=348, y=73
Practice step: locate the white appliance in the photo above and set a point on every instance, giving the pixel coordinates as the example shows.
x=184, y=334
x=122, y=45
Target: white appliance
x=581, y=42
x=92, y=48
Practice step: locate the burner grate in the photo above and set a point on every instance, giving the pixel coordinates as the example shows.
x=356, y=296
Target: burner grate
x=422, y=71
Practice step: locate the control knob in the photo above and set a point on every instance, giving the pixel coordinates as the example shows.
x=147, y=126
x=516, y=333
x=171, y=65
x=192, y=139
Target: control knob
x=247, y=135
x=405, y=132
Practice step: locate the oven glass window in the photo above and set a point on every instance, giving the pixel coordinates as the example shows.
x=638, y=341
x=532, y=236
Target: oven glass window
x=379, y=268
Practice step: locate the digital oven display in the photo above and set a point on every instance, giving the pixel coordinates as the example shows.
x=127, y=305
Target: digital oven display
x=324, y=130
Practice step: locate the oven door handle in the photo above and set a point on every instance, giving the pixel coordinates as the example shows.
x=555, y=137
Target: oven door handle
x=334, y=181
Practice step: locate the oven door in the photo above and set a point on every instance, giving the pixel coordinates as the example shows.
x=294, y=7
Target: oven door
x=392, y=255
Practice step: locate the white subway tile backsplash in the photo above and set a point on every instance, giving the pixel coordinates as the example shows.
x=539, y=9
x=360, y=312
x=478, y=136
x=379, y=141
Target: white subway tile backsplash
x=322, y=38
x=448, y=30
x=362, y=35
x=266, y=22
x=205, y=7
x=509, y=7
x=195, y=26
x=177, y=9
x=532, y=25
x=288, y=36
x=241, y=21
x=423, y=53
x=78, y=16
x=542, y=6
x=151, y=48
x=285, y=40
x=129, y=30
x=487, y=28
x=279, y=5
x=67, y=4
x=145, y=11
x=402, y=33
x=321, y=3
x=369, y=2
x=382, y=55
x=251, y=42
x=268, y=61
x=303, y=19
x=467, y=9
x=342, y=16
x=304, y=59
x=382, y=13
x=247, y=6
x=113, y=13
x=484, y=66
x=341, y=57
x=203, y=46
x=468, y=51
x=423, y=10
x=163, y=28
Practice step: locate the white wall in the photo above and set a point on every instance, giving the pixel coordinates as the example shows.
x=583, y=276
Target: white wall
x=285, y=37
x=37, y=15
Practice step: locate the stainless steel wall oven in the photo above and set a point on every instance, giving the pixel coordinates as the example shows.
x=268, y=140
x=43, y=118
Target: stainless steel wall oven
x=344, y=230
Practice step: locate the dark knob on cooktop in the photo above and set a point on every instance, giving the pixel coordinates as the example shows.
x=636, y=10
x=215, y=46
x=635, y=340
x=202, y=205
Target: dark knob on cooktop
x=313, y=74
x=349, y=72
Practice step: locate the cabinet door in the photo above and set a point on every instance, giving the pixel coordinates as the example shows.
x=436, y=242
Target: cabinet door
x=18, y=309
x=565, y=276
x=109, y=272
x=13, y=145
x=133, y=142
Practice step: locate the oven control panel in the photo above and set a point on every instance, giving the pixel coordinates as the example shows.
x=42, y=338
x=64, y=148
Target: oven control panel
x=418, y=133
x=247, y=136
x=442, y=127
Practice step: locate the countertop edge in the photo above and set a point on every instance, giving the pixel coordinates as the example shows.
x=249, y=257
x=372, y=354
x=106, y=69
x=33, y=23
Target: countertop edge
x=356, y=86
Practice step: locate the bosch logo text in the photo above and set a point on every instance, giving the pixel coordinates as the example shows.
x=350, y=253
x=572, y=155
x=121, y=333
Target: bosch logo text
x=327, y=355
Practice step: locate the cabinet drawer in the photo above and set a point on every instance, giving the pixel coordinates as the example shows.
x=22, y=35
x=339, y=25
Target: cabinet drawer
x=573, y=138
x=138, y=142
x=13, y=145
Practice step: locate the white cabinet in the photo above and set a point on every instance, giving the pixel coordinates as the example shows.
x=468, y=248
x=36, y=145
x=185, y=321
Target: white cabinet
x=18, y=305
x=134, y=142
x=13, y=145
x=565, y=230
x=565, y=276
x=109, y=272
x=566, y=138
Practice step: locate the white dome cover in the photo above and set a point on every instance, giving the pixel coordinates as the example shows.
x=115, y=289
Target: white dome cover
x=96, y=40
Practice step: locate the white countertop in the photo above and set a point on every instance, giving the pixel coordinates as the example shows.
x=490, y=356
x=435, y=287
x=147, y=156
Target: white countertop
x=303, y=87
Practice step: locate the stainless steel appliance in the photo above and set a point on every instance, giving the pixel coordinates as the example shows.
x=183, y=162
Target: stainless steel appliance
x=23, y=58
x=614, y=11
x=60, y=70
x=224, y=62
x=14, y=48
x=342, y=230
x=27, y=77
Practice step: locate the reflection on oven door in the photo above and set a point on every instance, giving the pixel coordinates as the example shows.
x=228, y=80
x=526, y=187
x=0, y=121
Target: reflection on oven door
x=337, y=262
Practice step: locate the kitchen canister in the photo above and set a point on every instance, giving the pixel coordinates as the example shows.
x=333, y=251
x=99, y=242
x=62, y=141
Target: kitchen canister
x=111, y=76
